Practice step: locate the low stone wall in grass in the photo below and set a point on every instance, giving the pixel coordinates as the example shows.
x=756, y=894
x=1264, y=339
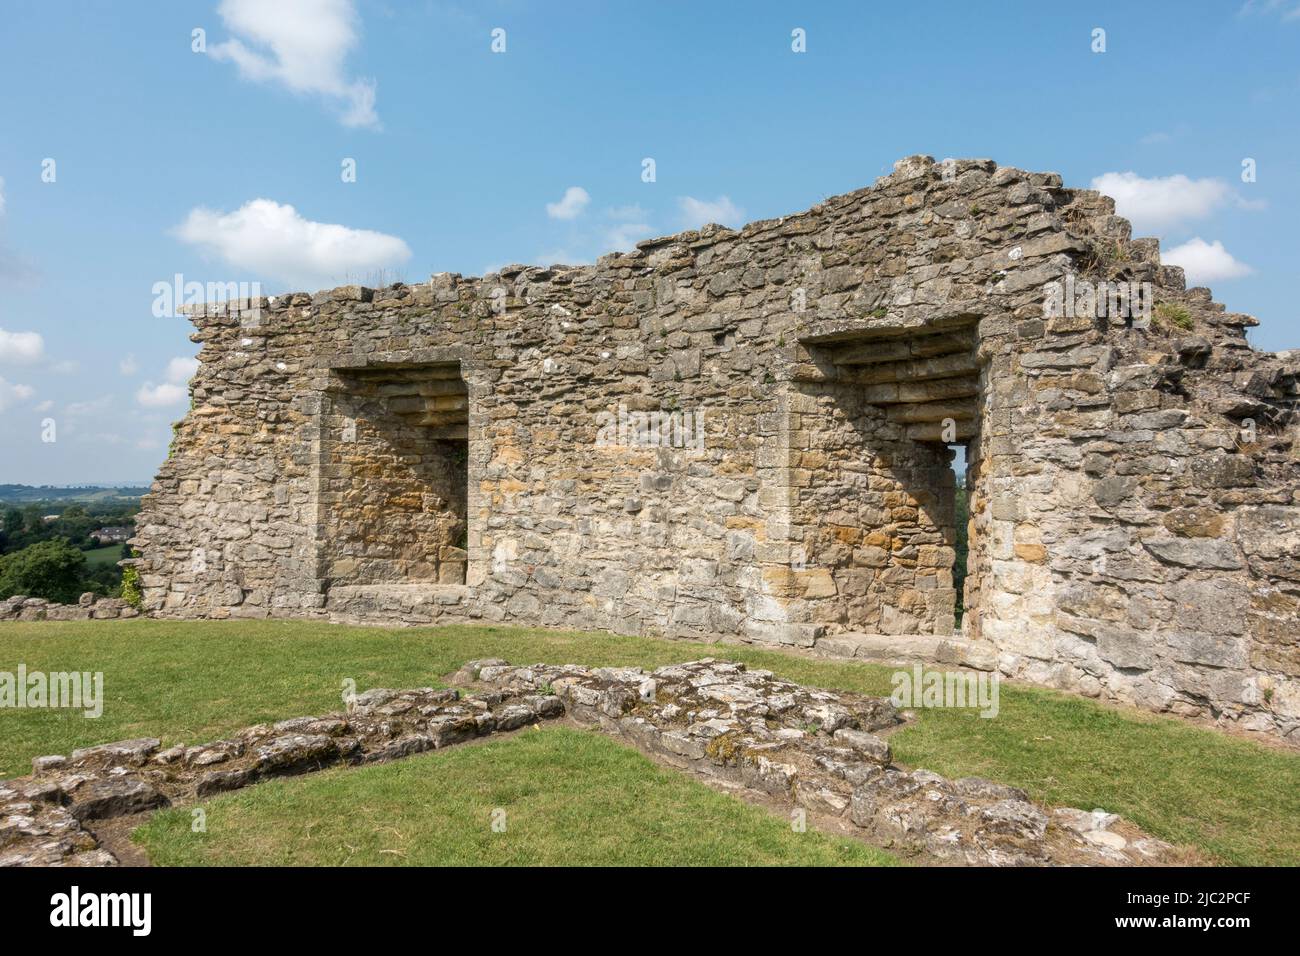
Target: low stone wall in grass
x=820, y=751
x=44, y=817
x=22, y=608
x=800, y=747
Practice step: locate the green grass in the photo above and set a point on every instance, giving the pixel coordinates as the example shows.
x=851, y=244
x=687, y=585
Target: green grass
x=569, y=797
x=1170, y=313
x=106, y=556
x=1236, y=800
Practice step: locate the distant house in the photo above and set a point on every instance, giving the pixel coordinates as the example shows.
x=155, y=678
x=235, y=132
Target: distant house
x=48, y=518
x=111, y=535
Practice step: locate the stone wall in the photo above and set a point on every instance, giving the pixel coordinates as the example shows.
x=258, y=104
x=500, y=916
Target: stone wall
x=793, y=745
x=394, y=482
x=875, y=513
x=50, y=818
x=822, y=751
x=89, y=608
x=1135, y=526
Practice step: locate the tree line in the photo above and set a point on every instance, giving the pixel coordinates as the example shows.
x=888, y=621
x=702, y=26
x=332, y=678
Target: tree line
x=47, y=549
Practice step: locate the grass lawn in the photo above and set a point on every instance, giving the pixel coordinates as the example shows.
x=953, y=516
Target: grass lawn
x=105, y=556
x=569, y=797
x=1238, y=801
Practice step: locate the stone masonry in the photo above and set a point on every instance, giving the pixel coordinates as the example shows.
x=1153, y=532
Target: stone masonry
x=48, y=818
x=444, y=452
x=88, y=608
x=795, y=746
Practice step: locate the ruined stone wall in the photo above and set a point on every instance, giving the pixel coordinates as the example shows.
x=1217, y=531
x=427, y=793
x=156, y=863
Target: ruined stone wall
x=1130, y=536
x=1129, y=483
x=769, y=738
x=394, y=501
x=393, y=498
x=875, y=513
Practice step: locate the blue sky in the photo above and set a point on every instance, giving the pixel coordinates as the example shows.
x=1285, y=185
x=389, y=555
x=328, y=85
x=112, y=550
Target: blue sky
x=467, y=159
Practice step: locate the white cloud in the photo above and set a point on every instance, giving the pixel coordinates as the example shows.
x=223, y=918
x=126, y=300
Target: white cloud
x=173, y=391
x=1162, y=201
x=13, y=394
x=700, y=212
x=304, y=44
x=21, y=348
x=571, y=206
x=46, y=405
x=626, y=235
x=265, y=237
x=157, y=396
x=2, y=195
x=180, y=370
x=1204, y=261
x=128, y=366
x=1286, y=9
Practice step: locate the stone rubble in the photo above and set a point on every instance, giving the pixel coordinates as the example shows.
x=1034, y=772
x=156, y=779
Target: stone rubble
x=820, y=750
x=44, y=817
x=801, y=746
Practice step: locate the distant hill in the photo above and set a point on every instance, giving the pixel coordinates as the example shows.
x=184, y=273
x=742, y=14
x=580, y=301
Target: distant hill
x=26, y=494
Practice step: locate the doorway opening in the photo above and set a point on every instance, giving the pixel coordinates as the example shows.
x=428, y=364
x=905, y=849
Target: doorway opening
x=897, y=410
x=395, y=476
x=961, y=531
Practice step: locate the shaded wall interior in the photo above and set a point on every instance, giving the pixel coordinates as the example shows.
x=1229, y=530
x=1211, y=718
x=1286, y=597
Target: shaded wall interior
x=394, y=479
x=873, y=512
x=875, y=493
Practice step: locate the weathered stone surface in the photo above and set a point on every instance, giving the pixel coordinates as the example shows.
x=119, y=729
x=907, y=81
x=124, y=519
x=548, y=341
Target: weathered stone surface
x=87, y=608
x=113, y=797
x=214, y=753
x=41, y=816
x=1202, y=522
x=1196, y=553
x=123, y=753
x=218, y=781
x=752, y=730
x=469, y=449
x=868, y=745
x=49, y=762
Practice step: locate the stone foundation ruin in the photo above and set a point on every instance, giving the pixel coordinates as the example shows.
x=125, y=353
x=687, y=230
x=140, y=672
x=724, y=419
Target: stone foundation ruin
x=443, y=452
x=798, y=747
